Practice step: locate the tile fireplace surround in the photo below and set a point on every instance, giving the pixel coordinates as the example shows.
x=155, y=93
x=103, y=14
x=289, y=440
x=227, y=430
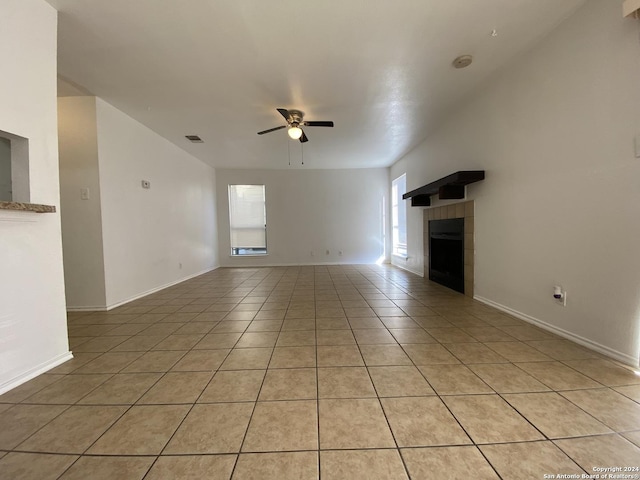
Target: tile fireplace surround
x=457, y=210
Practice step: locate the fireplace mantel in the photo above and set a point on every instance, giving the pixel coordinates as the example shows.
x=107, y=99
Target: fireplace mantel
x=449, y=187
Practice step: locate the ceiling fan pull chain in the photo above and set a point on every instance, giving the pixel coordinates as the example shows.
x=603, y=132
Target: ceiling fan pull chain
x=289, y=150
x=302, y=151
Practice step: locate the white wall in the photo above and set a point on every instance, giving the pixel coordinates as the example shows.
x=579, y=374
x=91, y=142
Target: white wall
x=81, y=219
x=156, y=237
x=560, y=204
x=33, y=335
x=312, y=210
x=5, y=170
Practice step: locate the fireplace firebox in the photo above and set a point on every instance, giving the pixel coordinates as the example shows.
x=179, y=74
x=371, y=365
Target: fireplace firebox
x=446, y=253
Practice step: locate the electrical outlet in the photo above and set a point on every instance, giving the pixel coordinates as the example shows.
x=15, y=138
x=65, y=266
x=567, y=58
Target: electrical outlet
x=312, y=254
x=84, y=194
x=327, y=252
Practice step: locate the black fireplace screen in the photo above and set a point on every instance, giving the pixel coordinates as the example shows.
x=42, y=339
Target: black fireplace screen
x=446, y=253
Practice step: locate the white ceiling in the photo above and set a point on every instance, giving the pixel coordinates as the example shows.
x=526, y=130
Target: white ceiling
x=380, y=69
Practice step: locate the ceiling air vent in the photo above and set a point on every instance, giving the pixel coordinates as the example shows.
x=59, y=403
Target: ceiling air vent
x=194, y=139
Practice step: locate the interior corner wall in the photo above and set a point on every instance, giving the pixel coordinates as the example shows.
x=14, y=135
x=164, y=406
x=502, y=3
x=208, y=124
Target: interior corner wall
x=155, y=237
x=554, y=131
x=81, y=218
x=309, y=211
x=33, y=333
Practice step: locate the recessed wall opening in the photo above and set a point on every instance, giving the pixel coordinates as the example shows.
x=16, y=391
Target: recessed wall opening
x=14, y=168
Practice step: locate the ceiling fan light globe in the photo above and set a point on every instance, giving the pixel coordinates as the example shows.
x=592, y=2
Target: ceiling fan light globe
x=295, y=132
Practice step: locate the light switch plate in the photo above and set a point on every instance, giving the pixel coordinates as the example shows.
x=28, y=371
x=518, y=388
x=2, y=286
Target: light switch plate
x=84, y=194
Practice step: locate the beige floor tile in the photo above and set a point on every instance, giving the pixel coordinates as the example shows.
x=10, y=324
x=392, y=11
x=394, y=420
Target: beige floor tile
x=633, y=437
x=422, y=422
x=362, y=465
x=31, y=387
x=201, y=361
x=212, y=341
x=74, y=430
x=79, y=359
x=555, y=416
x=109, y=362
x=264, y=326
x=489, y=419
x=454, y=380
x=240, y=315
x=507, y=378
x=257, y=339
x=143, y=430
x=195, y=328
x=601, y=451
x=455, y=463
x=121, y=389
x=450, y=335
x=374, y=336
x=101, y=344
x=27, y=466
x=182, y=387
x=270, y=315
x=359, y=312
x=161, y=329
x=211, y=467
x=411, y=335
x=344, y=382
x=474, y=353
x=515, y=461
x=632, y=392
x=611, y=408
x=518, y=352
x=558, y=376
x=353, y=424
x=296, y=338
x=247, y=359
x=429, y=354
x=212, y=428
x=379, y=355
x=179, y=342
x=432, y=322
x=339, y=356
x=292, y=323
x=365, y=323
x=289, y=384
x=283, y=426
x=400, y=323
x=68, y=390
x=20, y=421
x=527, y=333
x=233, y=386
x=335, y=337
x=399, y=381
x=277, y=466
x=562, y=349
x=109, y=468
x=488, y=334
x=332, y=324
x=293, y=357
x=139, y=343
x=151, y=362
x=605, y=372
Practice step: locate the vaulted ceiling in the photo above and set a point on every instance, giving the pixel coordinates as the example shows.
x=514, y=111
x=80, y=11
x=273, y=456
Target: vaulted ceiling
x=380, y=69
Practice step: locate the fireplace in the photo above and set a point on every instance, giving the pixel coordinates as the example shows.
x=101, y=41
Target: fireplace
x=446, y=253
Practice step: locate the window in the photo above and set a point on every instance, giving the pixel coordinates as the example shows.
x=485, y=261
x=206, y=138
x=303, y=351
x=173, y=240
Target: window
x=399, y=216
x=14, y=168
x=248, y=220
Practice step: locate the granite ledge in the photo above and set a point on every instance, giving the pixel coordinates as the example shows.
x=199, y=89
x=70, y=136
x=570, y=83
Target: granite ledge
x=27, y=207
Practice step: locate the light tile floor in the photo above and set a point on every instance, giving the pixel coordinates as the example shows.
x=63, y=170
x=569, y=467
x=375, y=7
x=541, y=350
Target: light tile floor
x=341, y=372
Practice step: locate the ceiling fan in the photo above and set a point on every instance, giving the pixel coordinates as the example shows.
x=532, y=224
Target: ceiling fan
x=295, y=120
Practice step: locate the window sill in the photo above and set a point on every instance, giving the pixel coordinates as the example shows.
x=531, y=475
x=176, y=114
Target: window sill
x=250, y=255
x=397, y=255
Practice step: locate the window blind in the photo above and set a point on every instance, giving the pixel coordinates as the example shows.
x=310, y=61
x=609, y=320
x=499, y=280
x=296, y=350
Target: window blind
x=247, y=216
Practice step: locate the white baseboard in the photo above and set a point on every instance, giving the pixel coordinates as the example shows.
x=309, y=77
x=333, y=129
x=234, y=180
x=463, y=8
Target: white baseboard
x=585, y=342
x=103, y=308
x=34, y=372
x=305, y=264
x=420, y=274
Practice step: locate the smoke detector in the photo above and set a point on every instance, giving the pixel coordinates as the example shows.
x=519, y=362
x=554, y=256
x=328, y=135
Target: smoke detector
x=463, y=61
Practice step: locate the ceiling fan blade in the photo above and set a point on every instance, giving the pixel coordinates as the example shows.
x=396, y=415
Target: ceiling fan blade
x=272, y=130
x=303, y=138
x=318, y=124
x=284, y=112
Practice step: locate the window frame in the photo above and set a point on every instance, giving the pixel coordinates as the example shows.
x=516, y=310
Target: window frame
x=398, y=208
x=235, y=251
